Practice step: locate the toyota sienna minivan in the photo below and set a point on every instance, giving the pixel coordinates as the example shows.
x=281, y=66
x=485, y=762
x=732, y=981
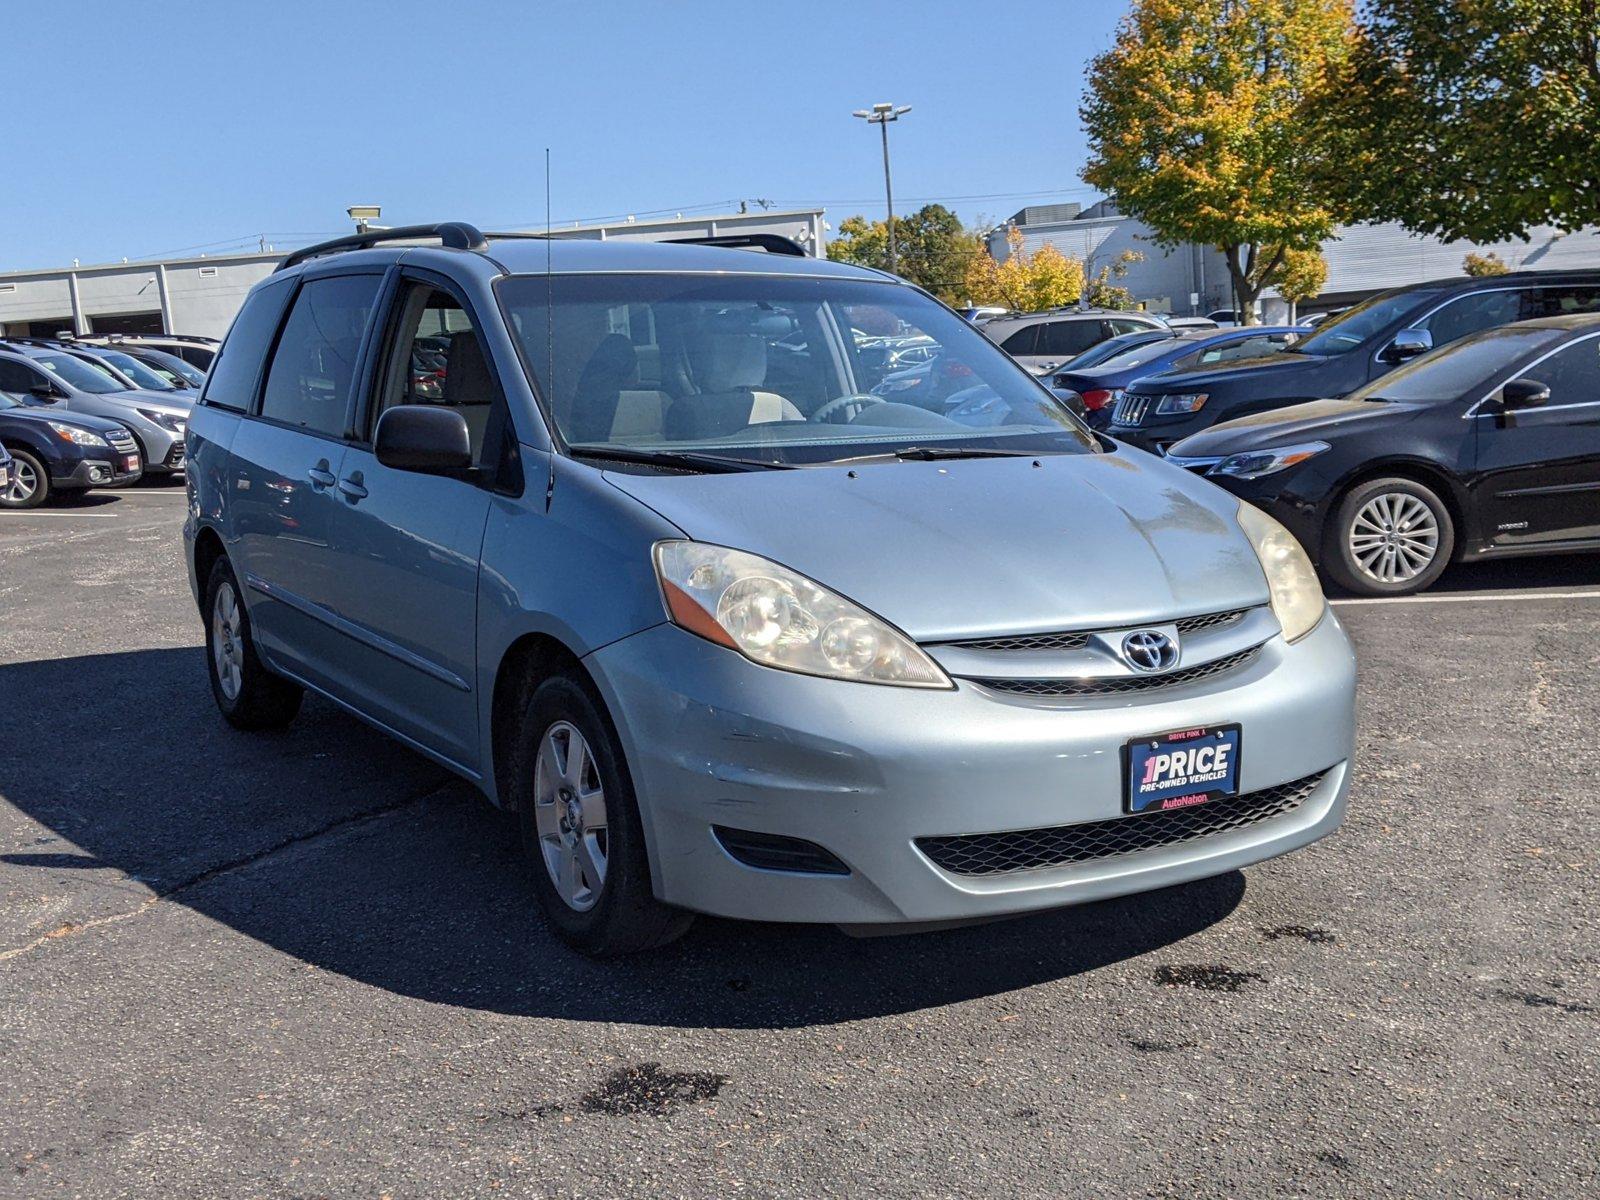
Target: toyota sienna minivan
x=617, y=532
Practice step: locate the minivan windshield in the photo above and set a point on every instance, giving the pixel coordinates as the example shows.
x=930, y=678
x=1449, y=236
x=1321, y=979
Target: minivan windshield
x=1460, y=371
x=775, y=369
x=79, y=373
x=1355, y=325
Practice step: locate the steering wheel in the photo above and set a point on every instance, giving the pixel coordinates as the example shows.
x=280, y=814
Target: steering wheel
x=852, y=405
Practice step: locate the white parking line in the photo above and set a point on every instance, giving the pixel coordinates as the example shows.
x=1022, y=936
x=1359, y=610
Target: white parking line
x=1472, y=597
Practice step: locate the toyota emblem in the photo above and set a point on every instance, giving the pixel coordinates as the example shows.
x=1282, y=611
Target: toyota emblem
x=1150, y=650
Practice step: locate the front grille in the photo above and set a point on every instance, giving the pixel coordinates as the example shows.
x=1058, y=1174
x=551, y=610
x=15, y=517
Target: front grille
x=1031, y=849
x=1211, y=620
x=1131, y=409
x=122, y=441
x=1078, y=639
x=1118, y=684
x=175, y=455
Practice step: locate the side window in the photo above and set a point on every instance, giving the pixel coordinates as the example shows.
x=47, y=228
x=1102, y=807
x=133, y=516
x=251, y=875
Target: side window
x=1022, y=341
x=1124, y=326
x=1559, y=301
x=437, y=358
x=1572, y=375
x=313, y=369
x=233, y=383
x=17, y=377
x=1065, y=339
x=1480, y=310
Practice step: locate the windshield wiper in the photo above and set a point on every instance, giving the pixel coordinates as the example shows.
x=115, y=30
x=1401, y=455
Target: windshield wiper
x=679, y=458
x=929, y=453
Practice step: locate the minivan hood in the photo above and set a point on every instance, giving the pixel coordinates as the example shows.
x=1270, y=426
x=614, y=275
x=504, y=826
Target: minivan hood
x=979, y=547
x=1282, y=426
x=1189, y=379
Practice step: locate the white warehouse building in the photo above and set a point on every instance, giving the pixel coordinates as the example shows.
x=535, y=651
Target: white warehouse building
x=200, y=295
x=1362, y=259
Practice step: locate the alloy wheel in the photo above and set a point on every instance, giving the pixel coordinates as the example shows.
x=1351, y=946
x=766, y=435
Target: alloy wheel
x=227, y=650
x=570, y=816
x=23, y=482
x=1394, y=537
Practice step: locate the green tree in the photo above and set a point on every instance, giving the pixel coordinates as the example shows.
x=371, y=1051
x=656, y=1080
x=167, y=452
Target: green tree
x=1197, y=123
x=932, y=248
x=1302, y=277
x=1481, y=265
x=1475, y=119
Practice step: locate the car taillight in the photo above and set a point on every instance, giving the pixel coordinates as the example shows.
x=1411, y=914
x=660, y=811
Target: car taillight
x=1095, y=398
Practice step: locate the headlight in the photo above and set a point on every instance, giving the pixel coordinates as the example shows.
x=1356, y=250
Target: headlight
x=80, y=437
x=1296, y=595
x=1256, y=463
x=781, y=619
x=1181, y=402
x=166, y=420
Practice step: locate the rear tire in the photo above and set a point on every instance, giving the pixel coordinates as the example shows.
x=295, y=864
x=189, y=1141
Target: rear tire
x=30, y=482
x=582, y=834
x=1389, y=537
x=250, y=696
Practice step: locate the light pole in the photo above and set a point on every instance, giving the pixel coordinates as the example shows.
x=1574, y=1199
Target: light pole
x=880, y=115
x=364, y=215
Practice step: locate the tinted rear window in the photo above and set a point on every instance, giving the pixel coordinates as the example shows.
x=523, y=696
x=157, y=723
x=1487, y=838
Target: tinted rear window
x=232, y=383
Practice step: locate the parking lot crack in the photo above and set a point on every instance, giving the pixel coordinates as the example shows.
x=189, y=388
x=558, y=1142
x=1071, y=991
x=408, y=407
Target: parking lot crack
x=72, y=929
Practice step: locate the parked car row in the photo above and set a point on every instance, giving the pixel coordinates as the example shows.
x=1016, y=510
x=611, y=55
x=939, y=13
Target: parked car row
x=81, y=413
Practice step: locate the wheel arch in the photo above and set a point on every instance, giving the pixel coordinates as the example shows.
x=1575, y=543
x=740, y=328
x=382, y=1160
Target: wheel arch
x=528, y=661
x=1430, y=475
x=208, y=548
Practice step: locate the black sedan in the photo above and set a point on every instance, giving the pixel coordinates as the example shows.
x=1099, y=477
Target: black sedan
x=1486, y=448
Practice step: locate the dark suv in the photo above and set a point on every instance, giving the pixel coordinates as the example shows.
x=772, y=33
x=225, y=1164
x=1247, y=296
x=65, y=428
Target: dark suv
x=1345, y=352
x=61, y=454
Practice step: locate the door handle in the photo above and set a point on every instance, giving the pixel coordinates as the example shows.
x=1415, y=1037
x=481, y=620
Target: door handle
x=353, y=488
x=320, y=476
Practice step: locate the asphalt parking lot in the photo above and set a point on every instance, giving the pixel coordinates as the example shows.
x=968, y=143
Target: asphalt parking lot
x=307, y=965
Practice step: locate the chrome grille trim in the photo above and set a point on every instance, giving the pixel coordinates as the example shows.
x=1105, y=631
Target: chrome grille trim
x=1119, y=684
x=1079, y=638
x=1131, y=409
x=1060, y=845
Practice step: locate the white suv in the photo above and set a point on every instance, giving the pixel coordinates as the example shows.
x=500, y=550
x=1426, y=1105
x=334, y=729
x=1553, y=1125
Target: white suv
x=1041, y=342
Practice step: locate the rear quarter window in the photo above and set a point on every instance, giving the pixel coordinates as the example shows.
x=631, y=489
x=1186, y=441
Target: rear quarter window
x=232, y=382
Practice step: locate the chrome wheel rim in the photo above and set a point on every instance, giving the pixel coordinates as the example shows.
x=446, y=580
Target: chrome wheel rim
x=1394, y=537
x=569, y=809
x=227, y=648
x=23, y=482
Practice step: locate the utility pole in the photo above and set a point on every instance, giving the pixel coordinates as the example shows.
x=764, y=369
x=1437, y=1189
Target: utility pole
x=880, y=115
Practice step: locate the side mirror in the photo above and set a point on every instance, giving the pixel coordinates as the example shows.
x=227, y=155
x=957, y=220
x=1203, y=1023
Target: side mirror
x=1071, y=399
x=423, y=438
x=1523, y=393
x=44, y=390
x=1407, y=344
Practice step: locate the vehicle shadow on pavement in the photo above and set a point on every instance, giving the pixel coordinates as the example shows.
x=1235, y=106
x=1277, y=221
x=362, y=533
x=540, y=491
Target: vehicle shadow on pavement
x=334, y=845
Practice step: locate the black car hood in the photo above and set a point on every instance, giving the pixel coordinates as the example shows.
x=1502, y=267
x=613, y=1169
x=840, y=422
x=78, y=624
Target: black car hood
x=61, y=416
x=1317, y=419
x=1195, y=379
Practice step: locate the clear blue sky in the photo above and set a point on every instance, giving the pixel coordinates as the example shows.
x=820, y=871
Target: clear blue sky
x=142, y=130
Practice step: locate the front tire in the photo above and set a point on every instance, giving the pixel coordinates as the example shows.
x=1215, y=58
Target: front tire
x=1390, y=537
x=249, y=696
x=30, y=482
x=582, y=834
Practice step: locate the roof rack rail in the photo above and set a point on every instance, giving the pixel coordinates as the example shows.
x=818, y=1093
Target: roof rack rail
x=456, y=235
x=772, y=243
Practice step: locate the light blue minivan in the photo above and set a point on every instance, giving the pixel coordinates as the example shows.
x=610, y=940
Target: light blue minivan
x=621, y=533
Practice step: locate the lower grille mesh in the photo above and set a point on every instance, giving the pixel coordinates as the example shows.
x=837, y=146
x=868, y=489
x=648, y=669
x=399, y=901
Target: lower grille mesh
x=1029, y=849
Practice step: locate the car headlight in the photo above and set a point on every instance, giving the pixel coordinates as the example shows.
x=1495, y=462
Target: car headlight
x=79, y=437
x=779, y=618
x=1181, y=402
x=1254, y=464
x=1297, y=599
x=167, y=421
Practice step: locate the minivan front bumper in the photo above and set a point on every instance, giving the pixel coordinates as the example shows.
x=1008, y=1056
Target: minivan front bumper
x=865, y=771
